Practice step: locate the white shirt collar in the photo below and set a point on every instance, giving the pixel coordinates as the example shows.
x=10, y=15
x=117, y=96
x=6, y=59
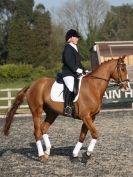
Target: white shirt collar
x=74, y=46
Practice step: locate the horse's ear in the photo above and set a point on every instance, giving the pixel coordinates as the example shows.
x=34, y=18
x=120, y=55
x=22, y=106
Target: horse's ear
x=123, y=57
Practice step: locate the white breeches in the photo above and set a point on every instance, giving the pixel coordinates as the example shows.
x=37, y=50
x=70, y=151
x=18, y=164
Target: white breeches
x=69, y=81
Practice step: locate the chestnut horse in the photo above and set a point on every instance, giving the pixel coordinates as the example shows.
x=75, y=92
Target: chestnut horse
x=92, y=89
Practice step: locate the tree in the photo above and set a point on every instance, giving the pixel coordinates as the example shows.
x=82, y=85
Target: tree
x=42, y=33
x=82, y=14
x=24, y=8
x=118, y=24
x=85, y=16
x=29, y=34
x=57, y=43
x=94, y=12
x=19, y=39
x=19, y=31
x=6, y=9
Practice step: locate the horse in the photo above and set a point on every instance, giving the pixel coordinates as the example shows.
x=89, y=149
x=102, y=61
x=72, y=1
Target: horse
x=93, y=86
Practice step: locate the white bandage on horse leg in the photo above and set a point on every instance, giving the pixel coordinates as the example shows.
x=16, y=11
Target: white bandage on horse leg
x=39, y=148
x=91, y=145
x=77, y=149
x=47, y=143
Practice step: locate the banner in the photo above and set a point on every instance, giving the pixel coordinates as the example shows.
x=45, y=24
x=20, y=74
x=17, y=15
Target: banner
x=115, y=95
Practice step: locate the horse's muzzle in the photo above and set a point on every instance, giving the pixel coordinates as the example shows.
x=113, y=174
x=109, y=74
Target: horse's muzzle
x=125, y=86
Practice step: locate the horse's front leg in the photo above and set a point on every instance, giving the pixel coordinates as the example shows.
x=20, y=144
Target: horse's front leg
x=79, y=144
x=88, y=121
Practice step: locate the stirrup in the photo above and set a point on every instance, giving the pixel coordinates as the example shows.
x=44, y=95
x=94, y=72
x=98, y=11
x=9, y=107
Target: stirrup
x=68, y=111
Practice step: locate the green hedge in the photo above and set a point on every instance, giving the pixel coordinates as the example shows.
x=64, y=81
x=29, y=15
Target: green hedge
x=12, y=71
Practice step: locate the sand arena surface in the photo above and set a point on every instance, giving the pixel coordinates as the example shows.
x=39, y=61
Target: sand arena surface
x=112, y=157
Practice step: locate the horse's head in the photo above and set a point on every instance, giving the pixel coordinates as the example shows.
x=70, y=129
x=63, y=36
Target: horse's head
x=120, y=74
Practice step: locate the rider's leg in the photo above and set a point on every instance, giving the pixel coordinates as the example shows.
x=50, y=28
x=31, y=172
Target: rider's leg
x=68, y=97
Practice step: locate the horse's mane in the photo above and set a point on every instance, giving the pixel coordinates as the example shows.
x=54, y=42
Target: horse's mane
x=96, y=68
x=105, y=62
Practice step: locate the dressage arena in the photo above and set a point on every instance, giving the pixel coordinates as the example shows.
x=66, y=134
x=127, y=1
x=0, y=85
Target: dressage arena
x=112, y=156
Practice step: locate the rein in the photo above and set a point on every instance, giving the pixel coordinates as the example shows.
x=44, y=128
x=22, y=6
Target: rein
x=107, y=80
x=96, y=77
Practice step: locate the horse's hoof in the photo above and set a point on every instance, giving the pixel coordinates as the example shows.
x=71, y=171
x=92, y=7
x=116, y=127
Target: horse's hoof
x=46, y=156
x=43, y=157
x=85, y=157
x=74, y=159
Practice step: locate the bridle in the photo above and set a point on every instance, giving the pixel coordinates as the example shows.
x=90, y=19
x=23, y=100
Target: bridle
x=119, y=81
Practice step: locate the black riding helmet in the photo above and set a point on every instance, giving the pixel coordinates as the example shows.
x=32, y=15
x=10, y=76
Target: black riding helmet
x=71, y=33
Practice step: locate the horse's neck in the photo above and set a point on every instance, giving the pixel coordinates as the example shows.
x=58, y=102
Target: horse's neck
x=102, y=74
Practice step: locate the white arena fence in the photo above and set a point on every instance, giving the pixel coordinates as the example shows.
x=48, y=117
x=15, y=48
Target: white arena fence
x=9, y=96
x=111, y=96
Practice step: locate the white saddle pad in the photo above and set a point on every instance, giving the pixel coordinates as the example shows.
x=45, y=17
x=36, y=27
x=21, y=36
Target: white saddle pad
x=57, y=91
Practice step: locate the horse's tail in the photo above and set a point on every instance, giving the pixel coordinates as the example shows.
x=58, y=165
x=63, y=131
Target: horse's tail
x=10, y=114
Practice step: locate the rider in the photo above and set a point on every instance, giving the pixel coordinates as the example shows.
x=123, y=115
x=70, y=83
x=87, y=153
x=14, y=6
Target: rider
x=71, y=68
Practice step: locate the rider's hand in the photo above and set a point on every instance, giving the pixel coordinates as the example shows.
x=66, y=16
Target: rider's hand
x=79, y=72
x=86, y=71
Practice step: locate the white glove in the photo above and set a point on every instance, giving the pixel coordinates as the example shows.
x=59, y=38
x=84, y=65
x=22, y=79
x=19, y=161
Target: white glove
x=79, y=71
x=86, y=71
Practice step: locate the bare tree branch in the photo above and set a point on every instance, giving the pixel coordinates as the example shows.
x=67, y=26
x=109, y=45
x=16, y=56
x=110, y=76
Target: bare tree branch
x=80, y=14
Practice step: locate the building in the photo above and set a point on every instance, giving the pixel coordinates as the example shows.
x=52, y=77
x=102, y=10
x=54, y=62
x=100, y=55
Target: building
x=106, y=50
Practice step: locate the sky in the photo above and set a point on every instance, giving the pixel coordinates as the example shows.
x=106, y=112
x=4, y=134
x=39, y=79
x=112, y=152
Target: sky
x=50, y=4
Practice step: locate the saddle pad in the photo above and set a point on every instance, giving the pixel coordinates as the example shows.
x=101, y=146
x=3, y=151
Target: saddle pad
x=57, y=92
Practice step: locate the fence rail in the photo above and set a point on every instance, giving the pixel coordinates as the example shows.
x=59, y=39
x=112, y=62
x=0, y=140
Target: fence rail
x=111, y=96
x=8, y=98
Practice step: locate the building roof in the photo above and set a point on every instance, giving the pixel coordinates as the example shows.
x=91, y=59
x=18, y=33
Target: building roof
x=114, y=48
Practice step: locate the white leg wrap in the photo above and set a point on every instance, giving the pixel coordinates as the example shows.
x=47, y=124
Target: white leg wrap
x=39, y=148
x=47, y=143
x=77, y=149
x=92, y=145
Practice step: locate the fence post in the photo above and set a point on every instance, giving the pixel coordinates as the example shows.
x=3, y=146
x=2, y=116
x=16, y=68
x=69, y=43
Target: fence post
x=9, y=98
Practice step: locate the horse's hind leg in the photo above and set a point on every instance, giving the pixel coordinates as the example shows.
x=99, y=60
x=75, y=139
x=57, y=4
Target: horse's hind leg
x=50, y=118
x=37, y=113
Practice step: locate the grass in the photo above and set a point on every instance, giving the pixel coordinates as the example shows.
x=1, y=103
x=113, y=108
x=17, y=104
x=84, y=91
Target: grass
x=14, y=84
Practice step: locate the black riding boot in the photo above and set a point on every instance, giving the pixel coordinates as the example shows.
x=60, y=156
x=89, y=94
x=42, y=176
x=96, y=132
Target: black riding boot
x=68, y=98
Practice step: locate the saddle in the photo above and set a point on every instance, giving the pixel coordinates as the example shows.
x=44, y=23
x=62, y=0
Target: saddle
x=59, y=80
x=58, y=89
